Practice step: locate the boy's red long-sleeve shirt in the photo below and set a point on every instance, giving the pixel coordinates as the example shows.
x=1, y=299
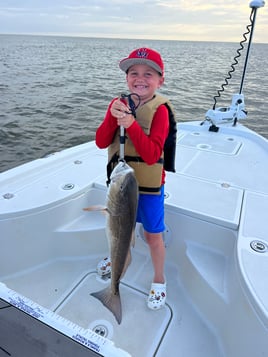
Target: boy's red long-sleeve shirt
x=149, y=147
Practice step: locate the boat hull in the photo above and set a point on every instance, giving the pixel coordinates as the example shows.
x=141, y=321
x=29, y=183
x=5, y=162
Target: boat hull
x=50, y=248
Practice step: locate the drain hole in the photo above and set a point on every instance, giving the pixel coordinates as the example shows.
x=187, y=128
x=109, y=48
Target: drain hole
x=203, y=146
x=101, y=330
x=166, y=195
x=8, y=196
x=259, y=246
x=68, y=186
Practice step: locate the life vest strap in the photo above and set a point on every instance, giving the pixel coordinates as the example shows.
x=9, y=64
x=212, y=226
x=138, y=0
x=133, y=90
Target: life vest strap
x=149, y=189
x=114, y=161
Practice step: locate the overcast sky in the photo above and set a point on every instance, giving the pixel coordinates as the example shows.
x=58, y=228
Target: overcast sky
x=195, y=20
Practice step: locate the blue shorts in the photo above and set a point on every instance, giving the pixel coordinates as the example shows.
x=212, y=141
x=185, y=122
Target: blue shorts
x=151, y=212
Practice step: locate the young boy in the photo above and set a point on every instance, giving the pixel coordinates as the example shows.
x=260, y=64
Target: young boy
x=146, y=133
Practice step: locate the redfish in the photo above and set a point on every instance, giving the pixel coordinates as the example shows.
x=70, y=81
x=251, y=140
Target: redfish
x=122, y=199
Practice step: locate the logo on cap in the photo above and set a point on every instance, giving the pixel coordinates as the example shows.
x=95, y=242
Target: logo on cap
x=142, y=53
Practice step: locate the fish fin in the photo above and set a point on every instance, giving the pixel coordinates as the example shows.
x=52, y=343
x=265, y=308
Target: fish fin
x=100, y=208
x=111, y=301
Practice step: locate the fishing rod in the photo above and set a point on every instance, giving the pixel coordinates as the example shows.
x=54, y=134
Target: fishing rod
x=122, y=144
x=132, y=107
x=122, y=137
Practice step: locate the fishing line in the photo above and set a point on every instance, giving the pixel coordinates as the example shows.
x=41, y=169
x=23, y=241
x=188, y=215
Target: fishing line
x=131, y=103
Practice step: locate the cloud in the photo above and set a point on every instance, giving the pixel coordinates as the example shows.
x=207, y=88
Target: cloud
x=216, y=20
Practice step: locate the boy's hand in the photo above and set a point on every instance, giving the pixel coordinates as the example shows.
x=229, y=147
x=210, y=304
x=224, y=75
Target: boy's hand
x=121, y=111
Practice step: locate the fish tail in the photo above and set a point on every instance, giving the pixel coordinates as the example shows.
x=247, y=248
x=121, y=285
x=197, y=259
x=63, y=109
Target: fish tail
x=111, y=301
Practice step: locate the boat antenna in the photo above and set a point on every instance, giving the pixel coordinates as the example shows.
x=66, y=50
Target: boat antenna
x=255, y=4
x=236, y=111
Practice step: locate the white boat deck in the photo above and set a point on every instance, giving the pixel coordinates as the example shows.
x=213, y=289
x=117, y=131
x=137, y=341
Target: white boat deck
x=64, y=287
x=201, y=155
x=210, y=215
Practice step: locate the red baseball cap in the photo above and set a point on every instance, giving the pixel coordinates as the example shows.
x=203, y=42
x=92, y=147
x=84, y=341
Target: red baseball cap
x=143, y=56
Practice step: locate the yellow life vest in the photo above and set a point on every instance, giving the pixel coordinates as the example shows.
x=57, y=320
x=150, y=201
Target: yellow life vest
x=149, y=177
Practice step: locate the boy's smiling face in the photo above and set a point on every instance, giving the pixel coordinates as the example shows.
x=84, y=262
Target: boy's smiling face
x=144, y=81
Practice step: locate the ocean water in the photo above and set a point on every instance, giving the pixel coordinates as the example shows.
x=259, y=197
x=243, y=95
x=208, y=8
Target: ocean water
x=54, y=91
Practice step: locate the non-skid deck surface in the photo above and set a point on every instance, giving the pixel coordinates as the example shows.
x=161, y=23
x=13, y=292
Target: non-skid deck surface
x=64, y=286
x=137, y=319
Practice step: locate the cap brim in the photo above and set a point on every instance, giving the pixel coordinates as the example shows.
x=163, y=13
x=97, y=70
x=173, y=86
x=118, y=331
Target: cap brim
x=125, y=64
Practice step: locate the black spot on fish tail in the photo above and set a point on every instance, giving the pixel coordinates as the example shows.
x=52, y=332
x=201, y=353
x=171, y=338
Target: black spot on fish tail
x=111, y=301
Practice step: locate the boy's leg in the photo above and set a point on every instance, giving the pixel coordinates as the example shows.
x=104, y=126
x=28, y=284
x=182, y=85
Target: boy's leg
x=158, y=251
